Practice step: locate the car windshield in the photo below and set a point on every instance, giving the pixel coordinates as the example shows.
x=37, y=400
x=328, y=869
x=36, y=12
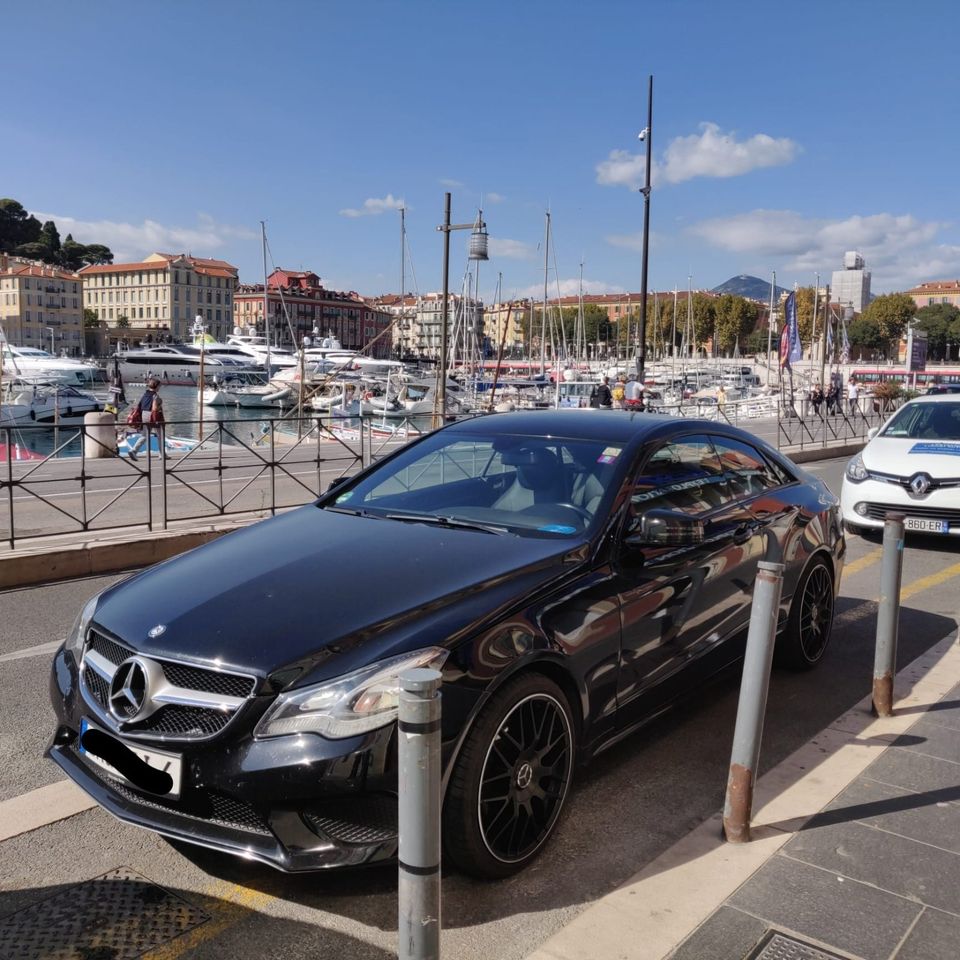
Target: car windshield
x=925, y=421
x=521, y=485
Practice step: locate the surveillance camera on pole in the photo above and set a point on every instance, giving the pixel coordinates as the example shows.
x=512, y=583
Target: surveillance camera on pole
x=642, y=135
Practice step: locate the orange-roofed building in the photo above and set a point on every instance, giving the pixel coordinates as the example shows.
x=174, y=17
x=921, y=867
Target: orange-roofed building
x=41, y=306
x=162, y=295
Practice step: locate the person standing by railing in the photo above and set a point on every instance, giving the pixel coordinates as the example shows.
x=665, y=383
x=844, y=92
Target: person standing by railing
x=853, y=394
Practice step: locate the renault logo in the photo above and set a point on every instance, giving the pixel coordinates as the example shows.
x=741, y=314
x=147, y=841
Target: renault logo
x=920, y=484
x=130, y=691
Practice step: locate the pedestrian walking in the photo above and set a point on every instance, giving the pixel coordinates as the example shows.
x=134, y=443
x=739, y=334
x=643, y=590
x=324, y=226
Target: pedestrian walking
x=721, y=399
x=146, y=414
x=604, y=395
x=833, y=398
x=816, y=398
x=853, y=394
x=633, y=394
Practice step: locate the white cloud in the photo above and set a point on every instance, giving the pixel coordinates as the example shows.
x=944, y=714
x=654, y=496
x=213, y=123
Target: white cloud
x=511, y=249
x=710, y=153
x=494, y=198
x=899, y=250
x=451, y=184
x=621, y=169
x=374, y=206
x=570, y=288
x=713, y=153
x=131, y=241
x=633, y=241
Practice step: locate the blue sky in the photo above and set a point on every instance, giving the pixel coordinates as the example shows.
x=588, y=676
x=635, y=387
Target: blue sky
x=783, y=134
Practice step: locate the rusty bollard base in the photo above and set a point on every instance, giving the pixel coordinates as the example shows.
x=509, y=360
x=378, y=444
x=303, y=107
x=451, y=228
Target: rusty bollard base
x=736, y=816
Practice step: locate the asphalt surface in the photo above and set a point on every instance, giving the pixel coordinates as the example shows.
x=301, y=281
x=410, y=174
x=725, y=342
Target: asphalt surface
x=632, y=804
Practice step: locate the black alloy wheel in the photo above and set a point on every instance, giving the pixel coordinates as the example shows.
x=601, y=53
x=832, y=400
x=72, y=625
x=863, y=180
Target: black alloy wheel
x=511, y=779
x=810, y=625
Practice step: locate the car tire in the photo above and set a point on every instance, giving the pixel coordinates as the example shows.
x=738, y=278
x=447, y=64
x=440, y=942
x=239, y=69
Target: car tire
x=511, y=779
x=803, y=643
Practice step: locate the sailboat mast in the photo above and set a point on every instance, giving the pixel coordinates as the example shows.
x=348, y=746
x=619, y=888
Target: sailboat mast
x=403, y=278
x=581, y=331
x=543, y=319
x=773, y=285
x=266, y=297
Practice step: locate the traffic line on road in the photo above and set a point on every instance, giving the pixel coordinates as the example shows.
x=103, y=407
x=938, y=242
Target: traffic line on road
x=41, y=807
x=234, y=902
x=865, y=561
x=36, y=651
x=933, y=580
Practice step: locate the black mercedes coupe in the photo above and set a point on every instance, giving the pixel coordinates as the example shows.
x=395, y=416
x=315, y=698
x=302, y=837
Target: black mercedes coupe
x=570, y=573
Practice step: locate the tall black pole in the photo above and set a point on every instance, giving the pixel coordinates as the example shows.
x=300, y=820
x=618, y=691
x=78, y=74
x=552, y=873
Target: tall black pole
x=642, y=345
x=444, y=315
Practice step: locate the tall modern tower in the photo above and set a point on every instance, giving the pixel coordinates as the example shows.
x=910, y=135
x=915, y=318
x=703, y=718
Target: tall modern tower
x=851, y=285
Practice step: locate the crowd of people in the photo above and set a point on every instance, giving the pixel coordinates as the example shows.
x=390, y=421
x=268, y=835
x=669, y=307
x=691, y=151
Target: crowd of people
x=625, y=394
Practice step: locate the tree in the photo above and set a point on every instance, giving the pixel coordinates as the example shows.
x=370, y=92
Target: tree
x=891, y=313
x=72, y=254
x=865, y=332
x=736, y=319
x=90, y=318
x=17, y=227
x=805, y=301
x=50, y=238
x=97, y=253
x=123, y=322
x=938, y=321
x=704, y=314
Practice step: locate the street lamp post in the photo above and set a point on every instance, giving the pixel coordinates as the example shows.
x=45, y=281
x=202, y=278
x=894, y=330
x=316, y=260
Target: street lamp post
x=478, y=251
x=647, y=135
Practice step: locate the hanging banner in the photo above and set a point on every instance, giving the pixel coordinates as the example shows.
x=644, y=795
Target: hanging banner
x=791, y=325
x=785, y=346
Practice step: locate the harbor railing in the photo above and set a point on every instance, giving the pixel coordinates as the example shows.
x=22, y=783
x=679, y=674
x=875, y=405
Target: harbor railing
x=189, y=470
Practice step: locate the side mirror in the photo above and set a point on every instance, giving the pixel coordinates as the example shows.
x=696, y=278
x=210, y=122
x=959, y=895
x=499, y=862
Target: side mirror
x=872, y=432
x=338, y=481
x=666, y=528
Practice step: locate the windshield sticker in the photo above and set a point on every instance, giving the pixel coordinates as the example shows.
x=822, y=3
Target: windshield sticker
x=557, y=528
x=950, y=449
x=344, y=497
x=610, y=455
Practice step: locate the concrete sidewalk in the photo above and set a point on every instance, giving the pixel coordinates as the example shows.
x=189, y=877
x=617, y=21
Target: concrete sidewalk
x=856, y=851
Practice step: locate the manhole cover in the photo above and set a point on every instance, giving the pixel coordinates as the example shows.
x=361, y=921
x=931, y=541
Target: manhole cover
x=118, y=916
x=779, y=946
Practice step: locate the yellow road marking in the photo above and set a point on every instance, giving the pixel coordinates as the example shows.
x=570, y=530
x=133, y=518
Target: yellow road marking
x=234, y=903
x=865, y=561
x=934, y=580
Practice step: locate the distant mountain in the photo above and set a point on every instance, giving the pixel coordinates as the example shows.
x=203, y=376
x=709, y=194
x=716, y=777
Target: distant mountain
x=753, y=288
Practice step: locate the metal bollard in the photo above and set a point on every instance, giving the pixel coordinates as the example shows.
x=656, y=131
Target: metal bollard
x=419, y=817
x=888, y=615
x=738, y=805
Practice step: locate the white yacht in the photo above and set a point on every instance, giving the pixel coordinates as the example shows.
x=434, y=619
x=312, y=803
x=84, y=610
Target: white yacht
x=256, y=348
x=177, y=363
x=34, y=365
x=23, y=404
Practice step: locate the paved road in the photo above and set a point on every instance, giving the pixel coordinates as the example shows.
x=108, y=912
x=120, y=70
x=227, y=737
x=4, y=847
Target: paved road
x=630, y=806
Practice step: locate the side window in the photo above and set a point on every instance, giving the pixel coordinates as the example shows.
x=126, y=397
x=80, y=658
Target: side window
x=746, y=471
x=684, y=474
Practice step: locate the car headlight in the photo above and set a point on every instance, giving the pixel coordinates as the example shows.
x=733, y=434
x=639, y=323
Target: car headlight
x=856, y=471
x=356, y=703
x=78, y=632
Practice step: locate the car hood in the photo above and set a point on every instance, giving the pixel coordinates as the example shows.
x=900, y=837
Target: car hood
x=288, y=595
x=904, y=457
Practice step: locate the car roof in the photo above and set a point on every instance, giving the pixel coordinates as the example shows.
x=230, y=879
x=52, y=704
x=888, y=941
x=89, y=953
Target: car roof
x=934, y=398
x=609, y=426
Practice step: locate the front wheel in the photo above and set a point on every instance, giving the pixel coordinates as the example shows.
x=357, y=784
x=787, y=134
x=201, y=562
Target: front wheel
x=810, y=624
x=511, y=779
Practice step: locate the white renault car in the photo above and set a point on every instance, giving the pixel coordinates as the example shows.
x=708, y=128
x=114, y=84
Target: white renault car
x=911, y=465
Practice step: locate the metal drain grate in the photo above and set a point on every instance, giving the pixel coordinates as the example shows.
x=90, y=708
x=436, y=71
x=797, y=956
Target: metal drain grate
x=780, y=946
x=118, y=916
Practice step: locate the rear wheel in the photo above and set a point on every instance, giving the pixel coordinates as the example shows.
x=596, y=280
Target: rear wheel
x=511, y=779
x=810, y=624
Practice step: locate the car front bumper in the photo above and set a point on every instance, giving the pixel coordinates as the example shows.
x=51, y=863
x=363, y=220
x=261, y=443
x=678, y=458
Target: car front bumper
x=866, y=504
x=296, y=803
